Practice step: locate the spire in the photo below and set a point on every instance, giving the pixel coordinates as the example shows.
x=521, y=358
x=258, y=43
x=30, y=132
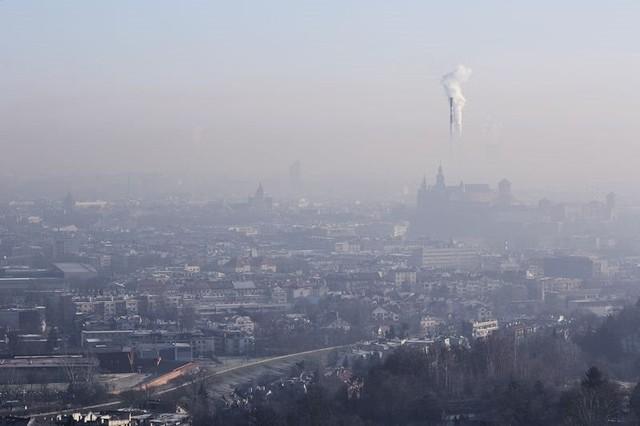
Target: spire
x=259, y=192
x=440, y=178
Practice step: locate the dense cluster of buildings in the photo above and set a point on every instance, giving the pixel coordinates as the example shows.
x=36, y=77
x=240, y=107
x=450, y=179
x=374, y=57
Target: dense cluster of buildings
x=143, y=287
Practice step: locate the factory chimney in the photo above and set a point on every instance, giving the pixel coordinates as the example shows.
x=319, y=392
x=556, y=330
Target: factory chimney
x=451, y=118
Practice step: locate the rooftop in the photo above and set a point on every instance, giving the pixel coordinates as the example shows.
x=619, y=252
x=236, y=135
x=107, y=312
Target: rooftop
x=74, y=268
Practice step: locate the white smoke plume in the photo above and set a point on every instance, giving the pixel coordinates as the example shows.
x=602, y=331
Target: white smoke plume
x=452, y=83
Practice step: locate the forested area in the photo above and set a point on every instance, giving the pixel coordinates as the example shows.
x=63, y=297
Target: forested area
x=583, y=375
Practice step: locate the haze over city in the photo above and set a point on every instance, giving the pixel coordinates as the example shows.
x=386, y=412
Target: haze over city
x=351, y=89
x=292, y=213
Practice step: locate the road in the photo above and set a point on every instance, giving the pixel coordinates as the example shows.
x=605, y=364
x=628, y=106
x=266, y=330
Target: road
x=273, y=364
x=236, y=373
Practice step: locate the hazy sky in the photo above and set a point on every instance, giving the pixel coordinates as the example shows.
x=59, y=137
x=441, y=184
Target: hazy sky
x=348, y=87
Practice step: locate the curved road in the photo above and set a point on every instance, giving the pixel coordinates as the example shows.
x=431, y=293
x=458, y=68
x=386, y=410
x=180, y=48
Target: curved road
x=117, y=403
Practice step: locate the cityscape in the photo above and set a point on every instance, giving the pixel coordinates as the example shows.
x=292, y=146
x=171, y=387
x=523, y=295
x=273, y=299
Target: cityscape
x=125, y=302
x=287, y=235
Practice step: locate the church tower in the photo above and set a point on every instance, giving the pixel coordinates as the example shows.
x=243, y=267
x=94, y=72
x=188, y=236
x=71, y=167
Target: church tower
x=440, y=185
x=259, y=192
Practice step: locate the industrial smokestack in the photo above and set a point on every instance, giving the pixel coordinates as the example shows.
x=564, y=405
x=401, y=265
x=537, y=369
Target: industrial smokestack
x=452, y=83
x=450, y=118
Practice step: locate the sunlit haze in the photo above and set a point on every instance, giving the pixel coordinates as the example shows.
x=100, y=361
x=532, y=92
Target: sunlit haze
x=240, y=90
